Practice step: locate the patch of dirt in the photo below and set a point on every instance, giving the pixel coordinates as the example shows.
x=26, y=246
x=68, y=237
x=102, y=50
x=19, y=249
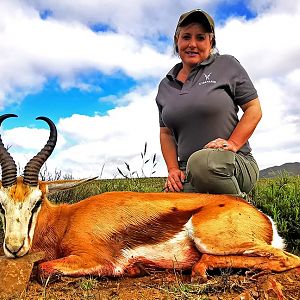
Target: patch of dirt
x=168, y=285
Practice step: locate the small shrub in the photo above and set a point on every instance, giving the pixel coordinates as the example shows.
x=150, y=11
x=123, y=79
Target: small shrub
x=141, y=173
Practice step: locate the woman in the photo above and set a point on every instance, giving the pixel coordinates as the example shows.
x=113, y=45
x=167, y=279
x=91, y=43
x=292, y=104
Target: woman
x=204, y=144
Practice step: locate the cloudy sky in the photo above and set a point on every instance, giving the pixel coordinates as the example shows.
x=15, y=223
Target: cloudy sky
x=93, y=67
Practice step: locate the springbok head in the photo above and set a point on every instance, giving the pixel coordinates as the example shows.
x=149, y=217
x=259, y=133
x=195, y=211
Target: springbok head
x=21, y=197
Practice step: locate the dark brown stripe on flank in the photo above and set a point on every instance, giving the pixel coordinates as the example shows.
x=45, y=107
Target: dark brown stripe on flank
x=154, y=231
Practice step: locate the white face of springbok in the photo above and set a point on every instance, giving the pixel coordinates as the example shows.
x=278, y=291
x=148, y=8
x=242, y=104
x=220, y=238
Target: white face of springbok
x=21, y=198
x=19, y=207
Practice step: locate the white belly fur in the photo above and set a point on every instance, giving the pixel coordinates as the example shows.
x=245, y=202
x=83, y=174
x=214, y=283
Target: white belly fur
x=176, y=253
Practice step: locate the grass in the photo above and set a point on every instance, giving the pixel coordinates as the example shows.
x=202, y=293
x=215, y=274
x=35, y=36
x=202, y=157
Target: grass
x=88, y=284
x=279, y=198
x=95, y=187
x=227, y=282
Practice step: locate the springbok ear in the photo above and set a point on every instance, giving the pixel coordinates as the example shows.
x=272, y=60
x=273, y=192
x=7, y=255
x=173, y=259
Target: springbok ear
x=60, y=185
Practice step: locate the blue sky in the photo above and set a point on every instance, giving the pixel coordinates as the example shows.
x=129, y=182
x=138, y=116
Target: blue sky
x=58, y=103
x=94, y=70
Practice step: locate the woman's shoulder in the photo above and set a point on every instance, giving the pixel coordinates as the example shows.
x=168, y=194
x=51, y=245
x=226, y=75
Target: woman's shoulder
x=227, y=58
x=228, y=61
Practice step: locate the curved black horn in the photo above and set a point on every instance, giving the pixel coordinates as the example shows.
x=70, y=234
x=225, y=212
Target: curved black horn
x=32, y=169
x=8, y=165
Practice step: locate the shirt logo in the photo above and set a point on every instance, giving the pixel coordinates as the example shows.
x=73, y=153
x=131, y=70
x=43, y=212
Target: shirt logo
x=207, y=76
x=207, y=79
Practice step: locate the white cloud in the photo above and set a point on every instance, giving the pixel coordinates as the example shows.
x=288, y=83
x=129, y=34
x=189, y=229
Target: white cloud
x=266, y=46
x=85, y=143
x=113, y=139
x=276, y=139
x=262, y=45
x=23, y=138
x=24, y=143
x=140, y=18
x=33, y=50
x=275, y=6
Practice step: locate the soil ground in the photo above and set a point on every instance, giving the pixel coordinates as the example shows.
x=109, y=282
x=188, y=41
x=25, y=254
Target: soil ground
x=170, y=285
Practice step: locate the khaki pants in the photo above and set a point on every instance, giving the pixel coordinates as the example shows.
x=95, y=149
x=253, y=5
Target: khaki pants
x=219, y=171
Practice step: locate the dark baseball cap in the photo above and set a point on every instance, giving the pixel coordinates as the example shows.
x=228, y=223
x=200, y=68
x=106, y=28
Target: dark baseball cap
x=197, y=15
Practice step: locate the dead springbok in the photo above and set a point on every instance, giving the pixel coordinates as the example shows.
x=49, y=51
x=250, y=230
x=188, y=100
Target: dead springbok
x=120, y=233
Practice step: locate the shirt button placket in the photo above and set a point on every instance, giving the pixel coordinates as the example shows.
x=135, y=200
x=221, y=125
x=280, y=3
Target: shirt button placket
x=186, y=87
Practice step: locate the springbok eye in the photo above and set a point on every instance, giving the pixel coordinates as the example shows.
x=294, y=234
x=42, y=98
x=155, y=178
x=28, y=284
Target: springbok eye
x=36, y=206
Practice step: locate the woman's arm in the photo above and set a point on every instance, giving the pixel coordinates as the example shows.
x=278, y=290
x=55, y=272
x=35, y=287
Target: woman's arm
x=243, y=130
x=169, y=151
x=246, y=126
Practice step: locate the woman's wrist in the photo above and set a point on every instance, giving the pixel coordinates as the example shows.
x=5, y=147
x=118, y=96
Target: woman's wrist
x=234, y=145
x=173, y=168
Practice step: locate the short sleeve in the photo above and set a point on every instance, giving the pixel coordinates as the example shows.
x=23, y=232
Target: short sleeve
x=161, y=122
x=160, y=107
x=242, y=87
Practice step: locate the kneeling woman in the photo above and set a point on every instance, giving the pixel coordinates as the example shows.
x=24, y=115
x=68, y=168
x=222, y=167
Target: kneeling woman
x=203, y=142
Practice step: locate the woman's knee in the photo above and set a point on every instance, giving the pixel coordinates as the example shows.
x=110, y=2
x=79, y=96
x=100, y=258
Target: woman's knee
x=212, y=170
x=215, y=161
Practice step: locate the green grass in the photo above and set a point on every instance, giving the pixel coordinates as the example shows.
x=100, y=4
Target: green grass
x=88, y=284
x=95, y=187
x=279, y=198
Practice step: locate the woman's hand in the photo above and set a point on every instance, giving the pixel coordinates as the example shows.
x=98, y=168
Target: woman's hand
x=222, y=144
x=174, y=180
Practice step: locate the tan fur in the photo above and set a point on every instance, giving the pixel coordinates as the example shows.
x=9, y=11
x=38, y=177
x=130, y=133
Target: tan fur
x=116, y=233
x=19, y=191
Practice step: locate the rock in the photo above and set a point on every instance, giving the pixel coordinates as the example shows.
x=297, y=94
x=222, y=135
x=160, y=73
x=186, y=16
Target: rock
x=273, y=289
x=15, y=274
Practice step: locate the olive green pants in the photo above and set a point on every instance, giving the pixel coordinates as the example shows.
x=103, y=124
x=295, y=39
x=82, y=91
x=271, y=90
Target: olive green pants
x=219, y=171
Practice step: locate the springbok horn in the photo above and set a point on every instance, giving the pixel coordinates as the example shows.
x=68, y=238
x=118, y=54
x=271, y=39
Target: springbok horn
x=8, y=165
x=32, y=169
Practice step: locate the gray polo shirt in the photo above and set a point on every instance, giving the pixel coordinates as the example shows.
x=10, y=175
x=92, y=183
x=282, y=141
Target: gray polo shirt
x=205, y=106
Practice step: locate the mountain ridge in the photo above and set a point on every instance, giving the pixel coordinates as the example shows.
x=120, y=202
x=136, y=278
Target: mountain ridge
x=292, y=168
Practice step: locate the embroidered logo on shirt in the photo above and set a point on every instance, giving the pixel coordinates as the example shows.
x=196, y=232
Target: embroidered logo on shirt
x=207, y=76
x=207, y=79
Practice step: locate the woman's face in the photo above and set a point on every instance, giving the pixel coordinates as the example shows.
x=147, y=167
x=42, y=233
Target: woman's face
x=194, y=44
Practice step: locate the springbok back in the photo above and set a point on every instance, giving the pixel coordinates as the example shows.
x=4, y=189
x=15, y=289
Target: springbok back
x=119, y=233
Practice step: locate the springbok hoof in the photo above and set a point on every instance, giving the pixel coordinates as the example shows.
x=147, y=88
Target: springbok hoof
x=198, y=278
x=46, y=275
x=136, y=270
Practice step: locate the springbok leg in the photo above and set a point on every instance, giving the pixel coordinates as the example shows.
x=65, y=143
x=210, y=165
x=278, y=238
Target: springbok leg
x=271, y=259
x=74, y=265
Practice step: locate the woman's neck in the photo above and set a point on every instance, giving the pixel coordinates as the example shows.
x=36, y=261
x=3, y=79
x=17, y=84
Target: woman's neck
x=184, y=73
x=186, y=69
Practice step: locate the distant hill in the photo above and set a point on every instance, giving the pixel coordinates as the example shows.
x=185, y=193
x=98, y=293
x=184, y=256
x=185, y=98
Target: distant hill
x=290, y=168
